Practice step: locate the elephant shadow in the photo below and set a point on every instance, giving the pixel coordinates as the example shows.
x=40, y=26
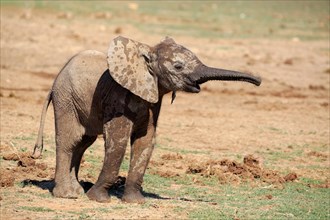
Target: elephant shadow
x=117, y=189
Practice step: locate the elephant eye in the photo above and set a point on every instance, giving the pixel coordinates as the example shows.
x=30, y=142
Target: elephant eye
x=178, y=66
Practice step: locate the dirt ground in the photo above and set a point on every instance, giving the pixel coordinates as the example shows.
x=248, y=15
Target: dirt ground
x=237, y=132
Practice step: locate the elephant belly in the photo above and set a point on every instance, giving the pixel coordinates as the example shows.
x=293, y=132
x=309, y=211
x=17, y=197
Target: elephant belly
x=89, y=111
x=94, y=120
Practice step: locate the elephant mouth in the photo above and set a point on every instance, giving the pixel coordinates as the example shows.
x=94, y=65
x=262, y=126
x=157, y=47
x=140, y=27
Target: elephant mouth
x=192, y=86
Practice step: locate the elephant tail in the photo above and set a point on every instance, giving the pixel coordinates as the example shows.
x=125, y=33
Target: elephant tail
x=39, y=144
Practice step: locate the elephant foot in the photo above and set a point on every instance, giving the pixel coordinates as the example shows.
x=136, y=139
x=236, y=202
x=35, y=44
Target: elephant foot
x=67, y=192
x=133, y=196
x=98, y=194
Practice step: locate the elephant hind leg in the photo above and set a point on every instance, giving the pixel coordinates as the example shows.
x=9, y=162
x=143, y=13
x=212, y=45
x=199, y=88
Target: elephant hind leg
x=77, y=155
x=67, y=167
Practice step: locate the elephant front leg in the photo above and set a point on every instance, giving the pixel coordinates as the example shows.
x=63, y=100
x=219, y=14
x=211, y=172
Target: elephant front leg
x=142, y=148
x=116, y=135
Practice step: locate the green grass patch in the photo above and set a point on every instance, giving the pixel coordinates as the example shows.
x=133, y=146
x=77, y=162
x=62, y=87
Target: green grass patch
x=295, y=201
x=45, y=195
x=31, y=137
x=293, y=152
x=281, y=155
x=156, y=182
x=84, y=216
x=36, y=209
x=209, y=212
x=210, y=200
x=180, y=151
x=125, y=164
x=95, y=160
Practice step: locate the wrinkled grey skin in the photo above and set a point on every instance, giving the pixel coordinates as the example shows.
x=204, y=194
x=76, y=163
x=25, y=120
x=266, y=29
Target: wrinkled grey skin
x=120, y=96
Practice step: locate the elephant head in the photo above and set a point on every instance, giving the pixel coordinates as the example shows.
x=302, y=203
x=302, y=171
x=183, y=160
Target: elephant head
x=143, y=69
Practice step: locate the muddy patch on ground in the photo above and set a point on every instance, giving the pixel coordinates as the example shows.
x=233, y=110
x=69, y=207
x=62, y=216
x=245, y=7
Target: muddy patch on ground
x=225, y=170
x=25, y=167
x=230, y=171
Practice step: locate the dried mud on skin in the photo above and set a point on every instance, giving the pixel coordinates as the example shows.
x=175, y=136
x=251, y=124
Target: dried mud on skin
x=226, y=171
x=25, y=167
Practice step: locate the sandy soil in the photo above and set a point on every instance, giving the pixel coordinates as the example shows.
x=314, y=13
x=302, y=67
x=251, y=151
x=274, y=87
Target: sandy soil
x=218, y=129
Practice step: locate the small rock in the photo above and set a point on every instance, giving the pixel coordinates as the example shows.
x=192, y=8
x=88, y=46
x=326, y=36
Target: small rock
x=269, y=196
x=290, y=177
x=65, y=15
x=251, y=160
x=102, y=15
x=288, y=62
x=26, y=162
x=12, y=156
x=26, y=15
x=41, y=166
x=11, y=95
x=118, y=30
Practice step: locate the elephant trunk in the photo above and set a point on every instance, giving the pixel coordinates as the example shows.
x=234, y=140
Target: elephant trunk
x=204, y=73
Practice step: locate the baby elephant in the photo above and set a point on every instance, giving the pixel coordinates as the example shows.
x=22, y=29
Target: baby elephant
x=119, y=95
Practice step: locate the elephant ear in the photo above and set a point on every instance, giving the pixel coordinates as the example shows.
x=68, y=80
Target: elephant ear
x=127, y=60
